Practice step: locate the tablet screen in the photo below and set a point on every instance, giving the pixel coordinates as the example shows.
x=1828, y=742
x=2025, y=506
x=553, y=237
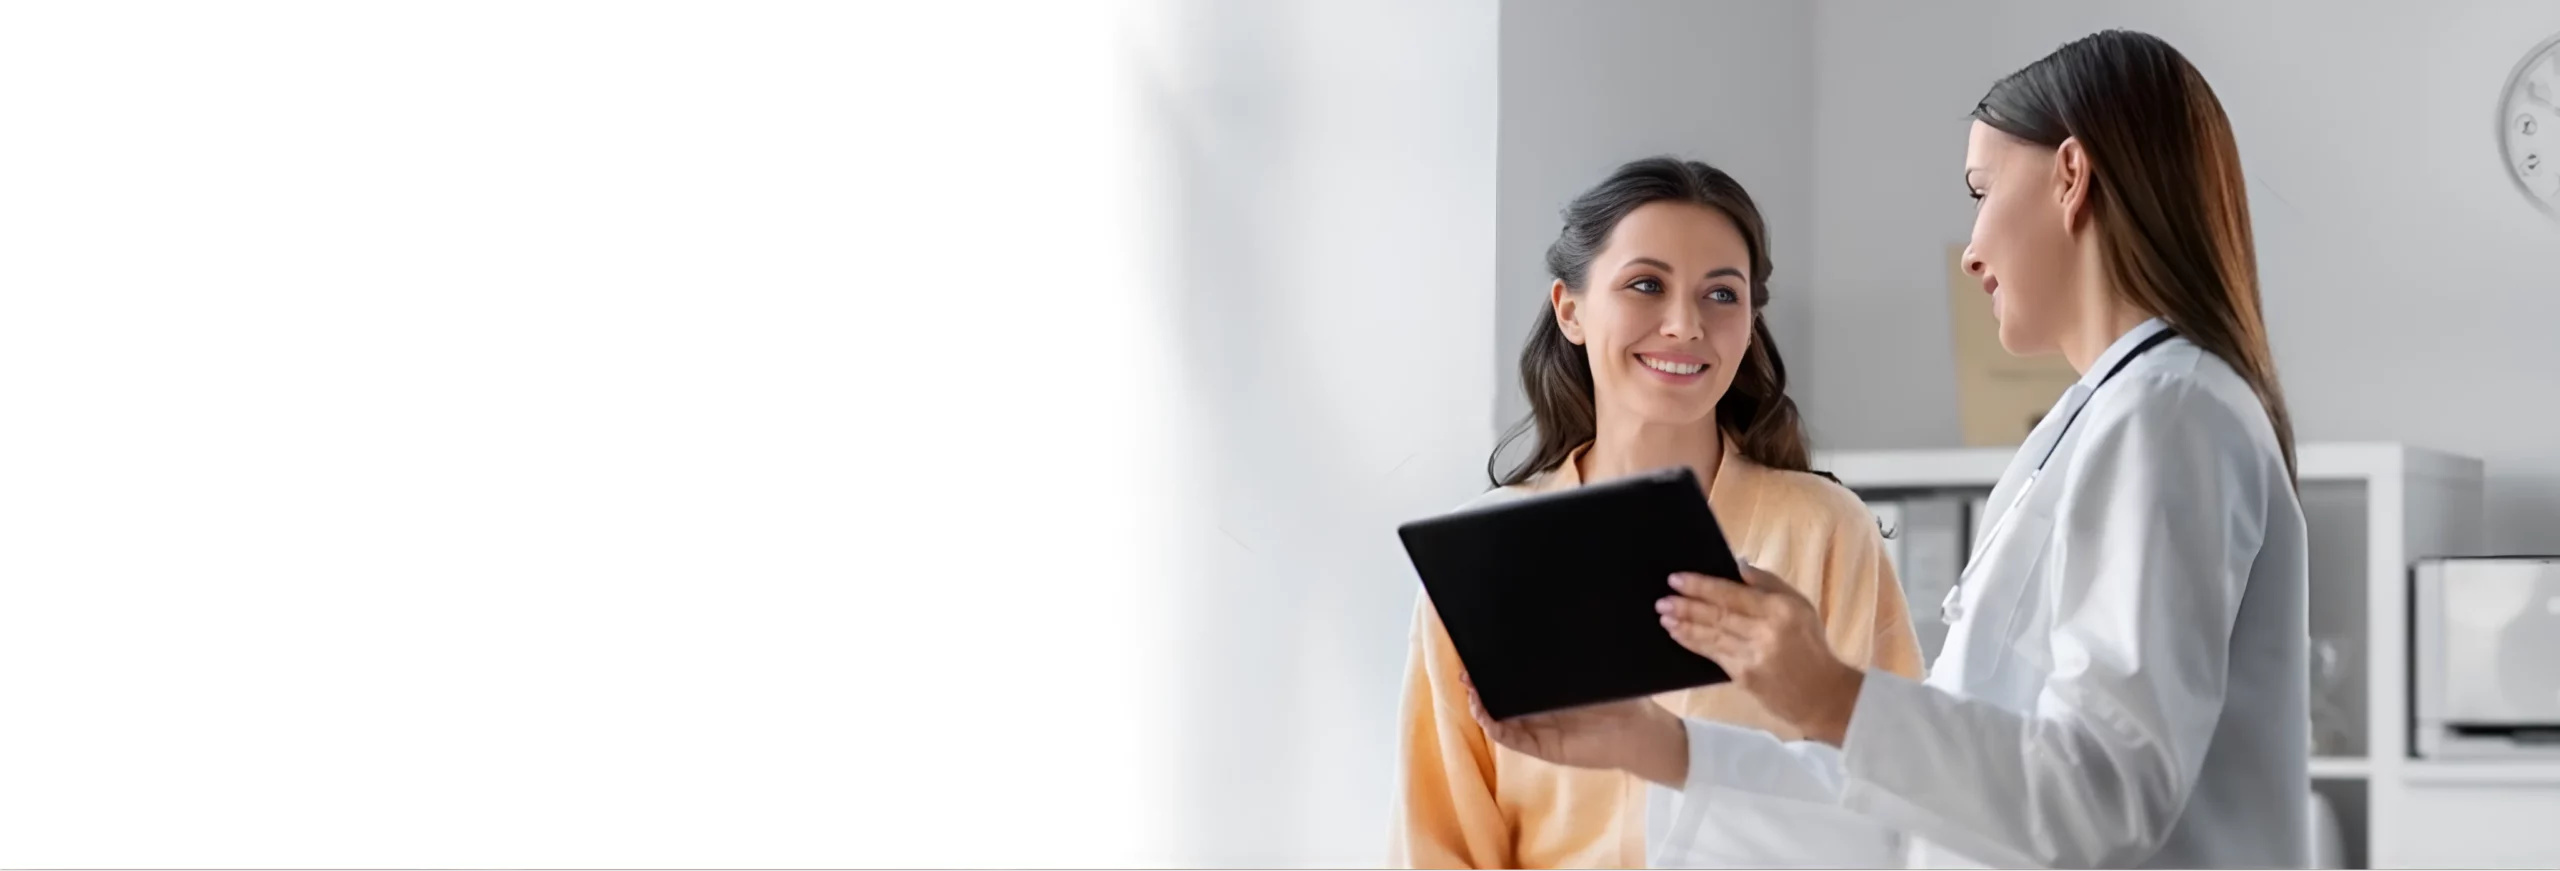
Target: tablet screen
x=1549, y=599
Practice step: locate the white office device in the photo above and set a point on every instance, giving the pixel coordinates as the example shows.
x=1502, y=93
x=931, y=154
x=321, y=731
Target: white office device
x=2487, y=657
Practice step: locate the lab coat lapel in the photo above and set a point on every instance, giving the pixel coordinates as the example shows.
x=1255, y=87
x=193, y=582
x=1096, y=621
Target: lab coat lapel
x=2023, y=464
x=2049, y=429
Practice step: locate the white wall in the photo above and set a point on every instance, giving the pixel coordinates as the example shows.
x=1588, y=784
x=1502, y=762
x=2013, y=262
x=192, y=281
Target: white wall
x=545, y=435
x=1331, y=167
x=2411, y=291
x=1590, y=85
x=827, y=435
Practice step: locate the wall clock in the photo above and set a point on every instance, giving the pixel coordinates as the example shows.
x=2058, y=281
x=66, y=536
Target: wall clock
x=2529, y=125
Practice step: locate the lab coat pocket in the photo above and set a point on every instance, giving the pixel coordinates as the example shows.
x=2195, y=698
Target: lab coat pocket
x=2000, y=602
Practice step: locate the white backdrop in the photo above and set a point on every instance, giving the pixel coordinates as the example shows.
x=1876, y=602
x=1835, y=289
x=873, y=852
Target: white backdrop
x=609, y=435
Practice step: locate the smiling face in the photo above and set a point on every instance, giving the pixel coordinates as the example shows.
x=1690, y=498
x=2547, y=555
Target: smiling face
x=2023, y=250
x=1664, y=313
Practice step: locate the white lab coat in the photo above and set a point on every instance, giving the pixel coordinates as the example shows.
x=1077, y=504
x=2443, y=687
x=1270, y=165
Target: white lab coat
x=2124, y=683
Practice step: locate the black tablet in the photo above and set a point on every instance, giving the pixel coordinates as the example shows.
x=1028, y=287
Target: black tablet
x=1550, y=598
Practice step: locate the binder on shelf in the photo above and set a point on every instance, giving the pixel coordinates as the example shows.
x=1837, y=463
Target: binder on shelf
x=1933, y=549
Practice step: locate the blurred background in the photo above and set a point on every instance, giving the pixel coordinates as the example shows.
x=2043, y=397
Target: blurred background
x=836, y=435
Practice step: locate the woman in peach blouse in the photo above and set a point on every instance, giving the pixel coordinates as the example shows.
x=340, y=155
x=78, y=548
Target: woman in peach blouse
x=1656, y=355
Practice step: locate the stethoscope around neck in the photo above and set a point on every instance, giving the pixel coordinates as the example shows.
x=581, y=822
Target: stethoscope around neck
x=1951, y=609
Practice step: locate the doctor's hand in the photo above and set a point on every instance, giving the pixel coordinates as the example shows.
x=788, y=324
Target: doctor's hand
x=1635, y=735
x=1770, y=639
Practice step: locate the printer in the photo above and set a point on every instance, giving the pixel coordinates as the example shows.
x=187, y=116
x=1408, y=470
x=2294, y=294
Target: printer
x=2485, y=657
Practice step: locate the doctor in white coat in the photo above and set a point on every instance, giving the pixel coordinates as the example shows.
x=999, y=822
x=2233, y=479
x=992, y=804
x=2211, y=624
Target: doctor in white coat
x=2124, y=678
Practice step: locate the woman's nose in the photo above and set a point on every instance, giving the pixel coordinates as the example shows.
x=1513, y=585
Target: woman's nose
x=1972, y=262
x=1683, y=322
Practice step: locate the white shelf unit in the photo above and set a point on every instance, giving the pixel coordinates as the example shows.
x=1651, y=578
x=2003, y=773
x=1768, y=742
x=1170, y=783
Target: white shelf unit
x=2373, y=509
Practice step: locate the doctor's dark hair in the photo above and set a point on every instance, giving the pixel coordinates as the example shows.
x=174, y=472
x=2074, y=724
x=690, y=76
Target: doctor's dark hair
x=1556, y=373
x=2171, y=208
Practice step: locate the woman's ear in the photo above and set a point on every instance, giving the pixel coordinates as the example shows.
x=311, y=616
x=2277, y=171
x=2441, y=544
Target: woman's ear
x=1567, y=309
x=2072, y=178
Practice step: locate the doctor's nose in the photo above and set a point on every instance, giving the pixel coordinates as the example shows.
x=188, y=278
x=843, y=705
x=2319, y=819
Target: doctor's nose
x=1973, y=265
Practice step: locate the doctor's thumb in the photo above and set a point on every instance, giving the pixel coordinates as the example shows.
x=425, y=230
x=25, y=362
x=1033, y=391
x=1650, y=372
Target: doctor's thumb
x=1756, y=576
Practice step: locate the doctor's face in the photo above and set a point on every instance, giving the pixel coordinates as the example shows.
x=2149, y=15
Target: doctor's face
x=2022, y=250
x=1664, y=313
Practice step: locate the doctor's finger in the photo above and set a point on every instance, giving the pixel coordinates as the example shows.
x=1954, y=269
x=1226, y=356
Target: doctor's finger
x=1763, y=579
x=1722, y=592
x=1697, y=637
x=1707, y=639
x=1692, y=610
x=1485, y=721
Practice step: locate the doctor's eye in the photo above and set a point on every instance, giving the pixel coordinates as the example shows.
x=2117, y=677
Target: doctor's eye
x=1724, y=294
x=1645, y=285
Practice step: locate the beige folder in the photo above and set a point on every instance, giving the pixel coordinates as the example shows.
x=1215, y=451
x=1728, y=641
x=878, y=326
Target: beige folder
x=2000, y=396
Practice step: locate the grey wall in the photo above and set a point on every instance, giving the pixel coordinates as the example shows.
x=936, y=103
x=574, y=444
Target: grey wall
x=1590, y=85
x=2411, y=291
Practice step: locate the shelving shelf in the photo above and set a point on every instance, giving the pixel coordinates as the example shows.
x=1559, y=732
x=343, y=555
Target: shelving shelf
x=2483, y=772
x=2374, y=508
x=1963, y=468
x=2340, y=767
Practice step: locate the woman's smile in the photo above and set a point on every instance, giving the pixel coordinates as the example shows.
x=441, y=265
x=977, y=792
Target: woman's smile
x=1674, y=368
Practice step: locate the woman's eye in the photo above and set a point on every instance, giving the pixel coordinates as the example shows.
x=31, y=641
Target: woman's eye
x=1977, y=199
x=1645, y=285
x=1724, y=294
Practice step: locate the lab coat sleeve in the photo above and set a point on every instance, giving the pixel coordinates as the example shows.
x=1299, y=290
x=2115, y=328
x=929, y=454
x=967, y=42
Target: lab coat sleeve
x=1754, y=801
x=2163, y=515
x=1445, y=813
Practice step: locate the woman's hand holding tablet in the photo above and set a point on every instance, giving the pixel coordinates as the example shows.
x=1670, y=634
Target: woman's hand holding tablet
x=1633, y=735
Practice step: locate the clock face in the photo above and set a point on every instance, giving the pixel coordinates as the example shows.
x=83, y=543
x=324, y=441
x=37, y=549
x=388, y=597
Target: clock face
x=2529, y=125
